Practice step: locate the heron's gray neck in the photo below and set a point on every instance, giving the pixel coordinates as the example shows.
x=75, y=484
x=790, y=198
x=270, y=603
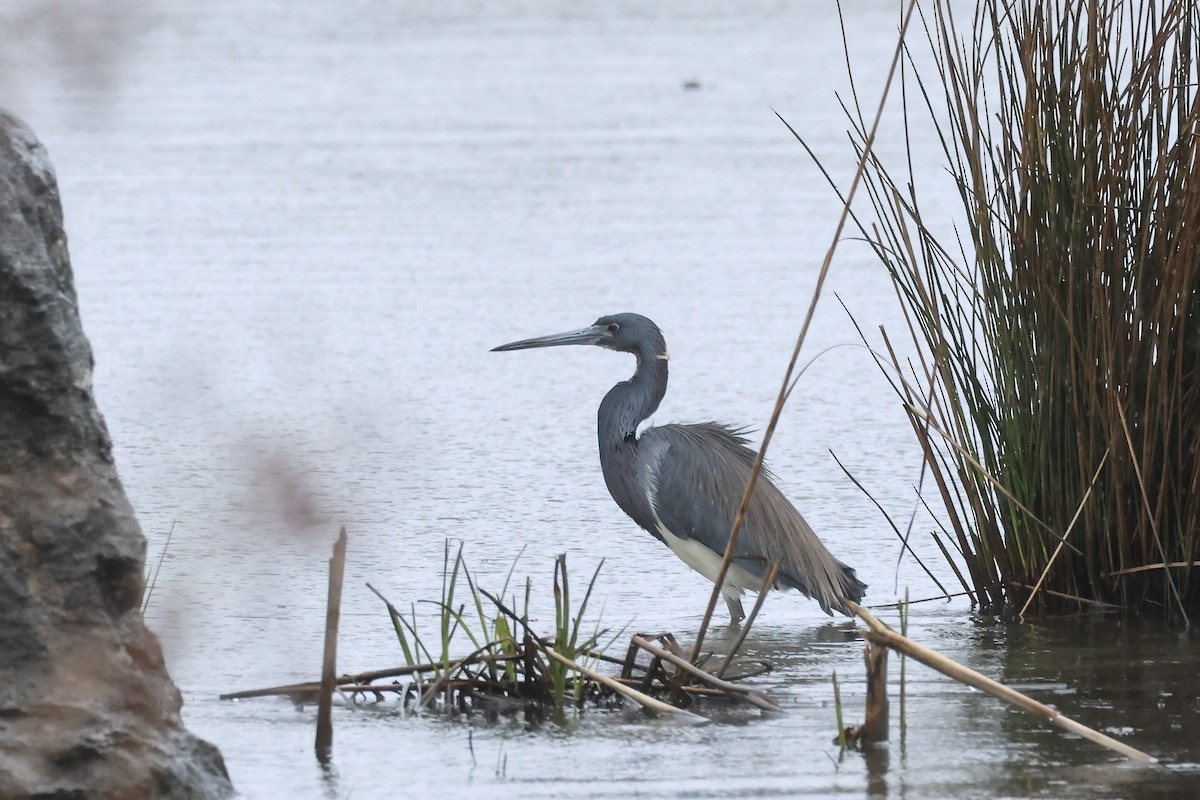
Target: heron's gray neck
x=624, y=407
x=629, y=402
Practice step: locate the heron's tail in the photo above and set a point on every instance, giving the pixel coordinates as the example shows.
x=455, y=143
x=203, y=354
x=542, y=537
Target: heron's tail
x=852, y=587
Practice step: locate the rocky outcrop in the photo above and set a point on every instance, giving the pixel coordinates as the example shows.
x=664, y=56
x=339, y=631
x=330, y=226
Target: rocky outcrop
x=87, y=708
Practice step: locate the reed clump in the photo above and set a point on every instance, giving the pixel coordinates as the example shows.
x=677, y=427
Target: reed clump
x=512, y=670
x=1056, y=391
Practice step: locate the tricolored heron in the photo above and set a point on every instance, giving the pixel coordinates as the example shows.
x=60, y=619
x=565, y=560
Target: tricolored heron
x=684, y=483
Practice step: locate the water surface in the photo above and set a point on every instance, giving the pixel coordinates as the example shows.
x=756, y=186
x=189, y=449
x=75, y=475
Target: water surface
x=297, y=229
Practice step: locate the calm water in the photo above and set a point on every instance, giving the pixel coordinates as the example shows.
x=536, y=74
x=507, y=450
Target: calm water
x=297, y=229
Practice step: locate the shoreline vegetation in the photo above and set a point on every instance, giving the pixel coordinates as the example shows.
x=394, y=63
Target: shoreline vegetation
x=1055, y=394
x=512, y=671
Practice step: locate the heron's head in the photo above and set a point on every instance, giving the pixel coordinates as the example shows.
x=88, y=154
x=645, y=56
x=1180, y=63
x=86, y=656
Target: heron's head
x=627, y=333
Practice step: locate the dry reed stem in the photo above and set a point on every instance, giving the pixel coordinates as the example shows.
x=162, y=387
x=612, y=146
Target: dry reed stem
x=957, y=573
x=1078, y=512
x=808, y=317
x=1150, y=514
x=767, y=583
x=333, y=614
x=880, y=633
x=1149, y=567
x=312, y=687
x=993, y=480
x=1086, y=601
x=645, y=700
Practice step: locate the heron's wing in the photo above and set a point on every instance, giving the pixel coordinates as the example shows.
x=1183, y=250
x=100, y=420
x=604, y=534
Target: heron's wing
x=699, y=473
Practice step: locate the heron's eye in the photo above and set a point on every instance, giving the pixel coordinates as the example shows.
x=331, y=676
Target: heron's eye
x=613, y=327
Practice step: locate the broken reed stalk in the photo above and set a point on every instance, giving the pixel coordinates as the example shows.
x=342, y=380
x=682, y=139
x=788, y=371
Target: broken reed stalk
x=784, y=389
x=748, y=693
x=874, y=727
x=333, y=613
x=881, y=634
x=875, y=719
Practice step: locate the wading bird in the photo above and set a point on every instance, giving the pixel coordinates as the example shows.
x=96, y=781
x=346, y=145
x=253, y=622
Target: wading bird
x=684, y=483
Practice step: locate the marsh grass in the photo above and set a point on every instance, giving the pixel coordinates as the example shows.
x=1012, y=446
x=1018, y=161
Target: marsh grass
x=512, y=670
x=1055, y=394
x=507, y=661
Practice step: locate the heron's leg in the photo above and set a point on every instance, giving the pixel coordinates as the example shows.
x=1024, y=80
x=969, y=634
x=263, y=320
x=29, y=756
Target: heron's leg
x=734, y=603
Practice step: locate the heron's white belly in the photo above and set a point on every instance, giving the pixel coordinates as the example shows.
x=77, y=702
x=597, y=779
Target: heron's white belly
x=708, y=563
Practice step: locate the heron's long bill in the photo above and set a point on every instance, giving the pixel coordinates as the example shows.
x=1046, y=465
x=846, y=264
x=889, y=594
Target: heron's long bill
x=592, y=335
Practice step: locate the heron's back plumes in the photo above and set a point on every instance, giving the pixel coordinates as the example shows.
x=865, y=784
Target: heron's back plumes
x=699, y=473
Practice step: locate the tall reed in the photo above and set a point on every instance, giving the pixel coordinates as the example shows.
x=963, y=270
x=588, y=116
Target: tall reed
x=1055, y=394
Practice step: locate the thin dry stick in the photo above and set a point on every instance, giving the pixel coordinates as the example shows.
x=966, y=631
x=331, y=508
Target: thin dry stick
x=645, y=700
x=884, y=635
x=994, y=481
x=747, y=693
x=361, y=677
x=158, y=569
x=1137, y=469
x=808, y=317
x=1070, y=527
x=1149, y=567
x=767, y=583
x=1086, y=601
x=904, y=545
x=447, y=677
x=333, y=614
x=954, y=566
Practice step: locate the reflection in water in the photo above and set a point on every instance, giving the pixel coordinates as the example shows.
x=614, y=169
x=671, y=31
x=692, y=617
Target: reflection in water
x=876, y=757
x=1132, y=678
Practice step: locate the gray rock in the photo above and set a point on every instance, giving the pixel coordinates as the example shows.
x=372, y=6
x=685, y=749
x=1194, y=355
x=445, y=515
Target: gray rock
x=87, y=708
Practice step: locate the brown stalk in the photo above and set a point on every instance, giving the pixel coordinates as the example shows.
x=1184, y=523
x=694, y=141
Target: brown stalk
x=333, y=614
x=874, y=727
x=1150, y=567
x=1153, y=523
x=767, y=583
x=808, y=317
x=1072, y=597
x=358, y=678
x=954, y=566
x=1058, y=549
